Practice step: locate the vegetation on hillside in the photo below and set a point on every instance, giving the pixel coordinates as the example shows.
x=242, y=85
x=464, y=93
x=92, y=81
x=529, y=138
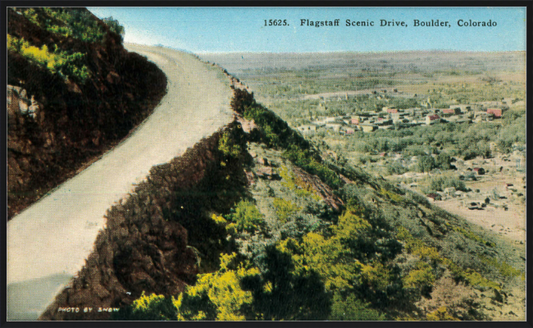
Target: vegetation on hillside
x=379, y=258
x=160, y=237
x=462, y=140
x=88, y=92
x=276, y=133
x=77, y=23
x=68, y=23
x=68, y=66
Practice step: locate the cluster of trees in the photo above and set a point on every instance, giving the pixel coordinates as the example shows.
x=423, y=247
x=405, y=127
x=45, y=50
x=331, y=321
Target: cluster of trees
x=441, y=182
x=465, y=93
x=436, y=145
x=298, y=84
x=426, y=163
x=114, y=26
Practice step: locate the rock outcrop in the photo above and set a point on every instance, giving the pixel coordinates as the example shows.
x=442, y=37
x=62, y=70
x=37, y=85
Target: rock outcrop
x=57, y=124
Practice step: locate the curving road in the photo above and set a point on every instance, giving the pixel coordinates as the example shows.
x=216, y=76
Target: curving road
x=47, y=244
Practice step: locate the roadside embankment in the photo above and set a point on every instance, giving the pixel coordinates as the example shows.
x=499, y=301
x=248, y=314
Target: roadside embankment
x=54, y=237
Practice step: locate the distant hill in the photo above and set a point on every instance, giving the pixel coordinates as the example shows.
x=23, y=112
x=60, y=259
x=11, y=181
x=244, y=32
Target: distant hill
x=244, y=63
x=73, y=92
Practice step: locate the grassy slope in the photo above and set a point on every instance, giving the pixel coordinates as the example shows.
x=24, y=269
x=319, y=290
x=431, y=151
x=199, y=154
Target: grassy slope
x=458, y=246
x=412, y=260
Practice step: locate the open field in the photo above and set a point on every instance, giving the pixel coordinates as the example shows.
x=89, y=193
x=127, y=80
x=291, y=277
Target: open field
x=412, y=72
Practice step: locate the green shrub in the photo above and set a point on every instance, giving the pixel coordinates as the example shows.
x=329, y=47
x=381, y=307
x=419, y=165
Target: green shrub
x=443, y=161
x=470, y=235
x=285, y=209
x=148, y=307
x=441, y=182
x=441, y=314
x=308, y=162
x=351, y=308
x=228, y=145
x=426, y=163
x=391, y=195
x=503, y=267
x=396, y=168
x=477, y=280
x=245, y=217
x=218, y=295
x=376, y=276
x=114, y=26
x=421, y=278
x=300, y=187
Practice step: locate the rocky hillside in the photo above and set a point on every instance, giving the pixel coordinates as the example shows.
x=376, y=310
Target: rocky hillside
x=254, y=223
x=73, y=92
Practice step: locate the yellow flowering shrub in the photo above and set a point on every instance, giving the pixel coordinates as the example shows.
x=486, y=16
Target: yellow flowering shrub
x=377, y=275
x=57, y=62
x=300, y=187
x=422, y=276
x=330, y=257
x=285, y=208
x=441, y=314
x=220, y=292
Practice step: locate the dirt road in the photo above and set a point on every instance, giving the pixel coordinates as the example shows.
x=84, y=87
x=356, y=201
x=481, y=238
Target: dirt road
x=48, y=243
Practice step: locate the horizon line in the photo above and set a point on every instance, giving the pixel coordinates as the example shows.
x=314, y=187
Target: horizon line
x=207, y=52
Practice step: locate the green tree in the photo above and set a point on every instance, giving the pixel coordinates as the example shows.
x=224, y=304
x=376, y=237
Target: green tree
x=351, y=308
x=443, y=161
x=114, y=26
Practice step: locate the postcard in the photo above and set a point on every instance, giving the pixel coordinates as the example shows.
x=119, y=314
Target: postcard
x=266, y=163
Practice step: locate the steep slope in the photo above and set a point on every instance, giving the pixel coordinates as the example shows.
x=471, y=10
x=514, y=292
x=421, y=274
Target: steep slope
x=74, y=92
x=280, y=232
x=55, y=235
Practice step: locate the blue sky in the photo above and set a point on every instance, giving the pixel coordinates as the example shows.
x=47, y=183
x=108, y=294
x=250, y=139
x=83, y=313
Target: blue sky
x=234, y=29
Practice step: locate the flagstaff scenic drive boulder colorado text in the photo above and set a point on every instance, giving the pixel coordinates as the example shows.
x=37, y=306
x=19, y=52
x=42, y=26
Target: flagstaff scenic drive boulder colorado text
x=305, y=22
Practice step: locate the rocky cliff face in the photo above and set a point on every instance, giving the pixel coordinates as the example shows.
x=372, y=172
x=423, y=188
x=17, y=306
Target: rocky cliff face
x=73, y=122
